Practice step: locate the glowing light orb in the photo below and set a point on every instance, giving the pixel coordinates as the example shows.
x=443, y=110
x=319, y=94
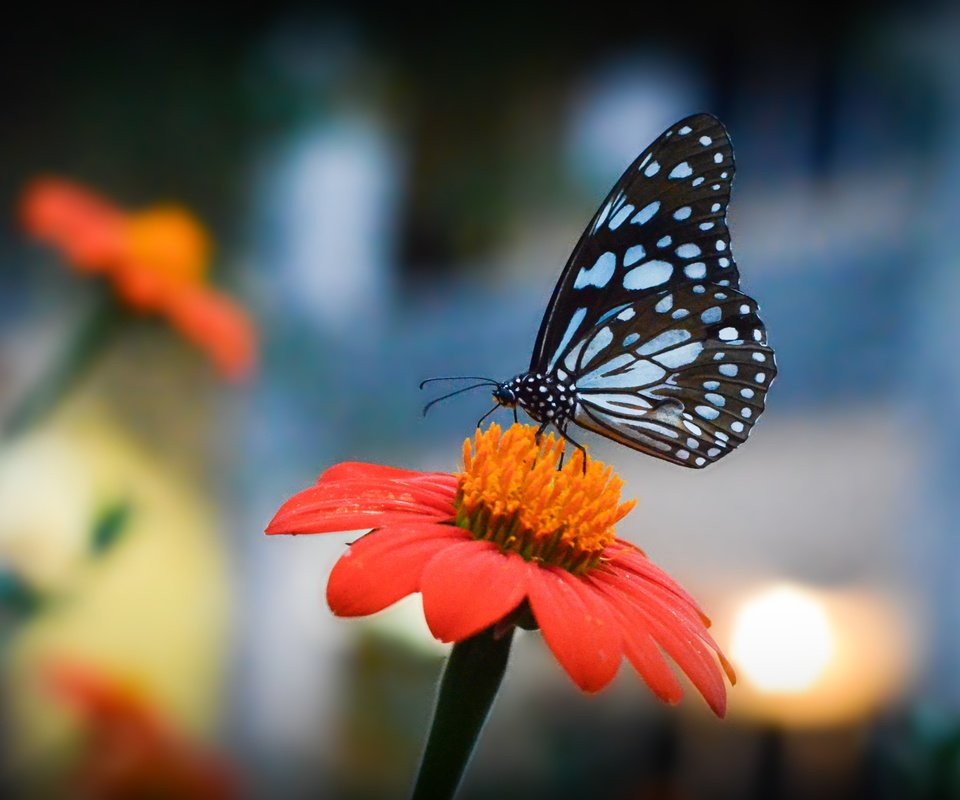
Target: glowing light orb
x=782, y=640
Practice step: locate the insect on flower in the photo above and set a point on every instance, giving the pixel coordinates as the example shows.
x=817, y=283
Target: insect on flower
x=648, y=339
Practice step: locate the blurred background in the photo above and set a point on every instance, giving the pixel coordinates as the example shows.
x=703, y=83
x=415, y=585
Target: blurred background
x=391, y=195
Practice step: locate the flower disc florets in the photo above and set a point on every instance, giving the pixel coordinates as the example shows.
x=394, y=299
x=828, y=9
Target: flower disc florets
x=512, y=494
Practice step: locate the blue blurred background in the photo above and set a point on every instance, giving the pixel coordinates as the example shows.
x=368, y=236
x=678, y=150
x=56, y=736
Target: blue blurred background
x=392, y=194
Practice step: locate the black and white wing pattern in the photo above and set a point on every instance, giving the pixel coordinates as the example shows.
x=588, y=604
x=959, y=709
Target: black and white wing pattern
x=647, y=324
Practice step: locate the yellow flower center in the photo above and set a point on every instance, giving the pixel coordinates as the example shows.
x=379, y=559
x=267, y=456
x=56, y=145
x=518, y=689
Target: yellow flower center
x=511, y=493
x=169, y=242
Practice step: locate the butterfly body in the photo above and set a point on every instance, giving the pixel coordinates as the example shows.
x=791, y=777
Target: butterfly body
x=648, y=339
x=546, y=399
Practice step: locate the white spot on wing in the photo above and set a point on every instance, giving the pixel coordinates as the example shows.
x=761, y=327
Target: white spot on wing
x=598, y=343
x=680, y=356
x=728, y=334
x=682, y=170
x=599, y=274
x=620, y=217
x=603, y=215
x=711, y=315
x=575, y=321
x=633, y=255
x=636, y=373
x=650, y=273
x=664, y=341
x=646, y=213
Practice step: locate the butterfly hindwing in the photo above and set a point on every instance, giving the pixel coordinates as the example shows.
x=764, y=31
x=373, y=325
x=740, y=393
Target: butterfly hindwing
x=682, y=378
x=666, y=354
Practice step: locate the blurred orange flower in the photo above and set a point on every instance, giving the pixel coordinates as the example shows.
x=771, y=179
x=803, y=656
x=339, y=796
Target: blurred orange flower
x=130, y=752
x=158, y=260
x=507, y=538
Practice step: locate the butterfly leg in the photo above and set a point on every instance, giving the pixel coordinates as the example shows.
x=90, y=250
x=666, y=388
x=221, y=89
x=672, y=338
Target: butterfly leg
x=540, y=431
x=516, y=419
x=480, y=421
x=580, y=447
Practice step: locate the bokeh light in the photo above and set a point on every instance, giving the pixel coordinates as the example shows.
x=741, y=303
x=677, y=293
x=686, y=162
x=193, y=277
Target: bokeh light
x=782, y=640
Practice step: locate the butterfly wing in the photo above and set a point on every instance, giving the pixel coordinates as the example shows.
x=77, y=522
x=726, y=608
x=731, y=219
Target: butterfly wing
x=647, y=319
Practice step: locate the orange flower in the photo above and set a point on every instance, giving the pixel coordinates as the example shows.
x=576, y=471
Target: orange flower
x=508, y=537
x=130, y=751
x=158, y=260
x=165, y=250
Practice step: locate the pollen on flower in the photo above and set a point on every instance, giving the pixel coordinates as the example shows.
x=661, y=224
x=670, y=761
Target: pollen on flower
x=511, y=493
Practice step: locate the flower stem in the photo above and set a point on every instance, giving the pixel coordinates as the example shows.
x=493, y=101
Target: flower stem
x=86, y=344
x=467, y=689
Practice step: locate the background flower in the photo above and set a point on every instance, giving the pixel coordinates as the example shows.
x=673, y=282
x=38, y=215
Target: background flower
x=157, y=260
x=129, y=749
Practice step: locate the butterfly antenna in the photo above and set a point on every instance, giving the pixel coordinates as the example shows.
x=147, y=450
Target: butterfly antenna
x=458, y=378
x=433, y=402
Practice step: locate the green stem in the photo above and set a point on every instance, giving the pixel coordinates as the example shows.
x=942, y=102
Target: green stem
x=467, y=690
x=87, y=343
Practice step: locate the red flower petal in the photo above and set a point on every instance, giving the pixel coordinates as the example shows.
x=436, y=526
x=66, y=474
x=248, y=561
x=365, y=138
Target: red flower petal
x=437, y=490
x=674, y=605
x=686, y=648
x=86, y=227
x=634, y=560
x=346, y=505
x=648, y=661
x=578, y=626
x=385, y=566
x=218, y=326
x=469, y=587
x=377, y=473
x=675, y=612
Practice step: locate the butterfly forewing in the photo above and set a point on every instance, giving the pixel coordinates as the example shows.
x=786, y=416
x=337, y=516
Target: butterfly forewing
x=666, y=354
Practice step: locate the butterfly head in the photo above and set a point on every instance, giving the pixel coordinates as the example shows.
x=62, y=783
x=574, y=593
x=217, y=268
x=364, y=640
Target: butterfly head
x=506, y=394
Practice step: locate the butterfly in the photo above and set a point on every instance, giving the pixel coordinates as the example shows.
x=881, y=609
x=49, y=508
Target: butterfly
x=647, y=339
